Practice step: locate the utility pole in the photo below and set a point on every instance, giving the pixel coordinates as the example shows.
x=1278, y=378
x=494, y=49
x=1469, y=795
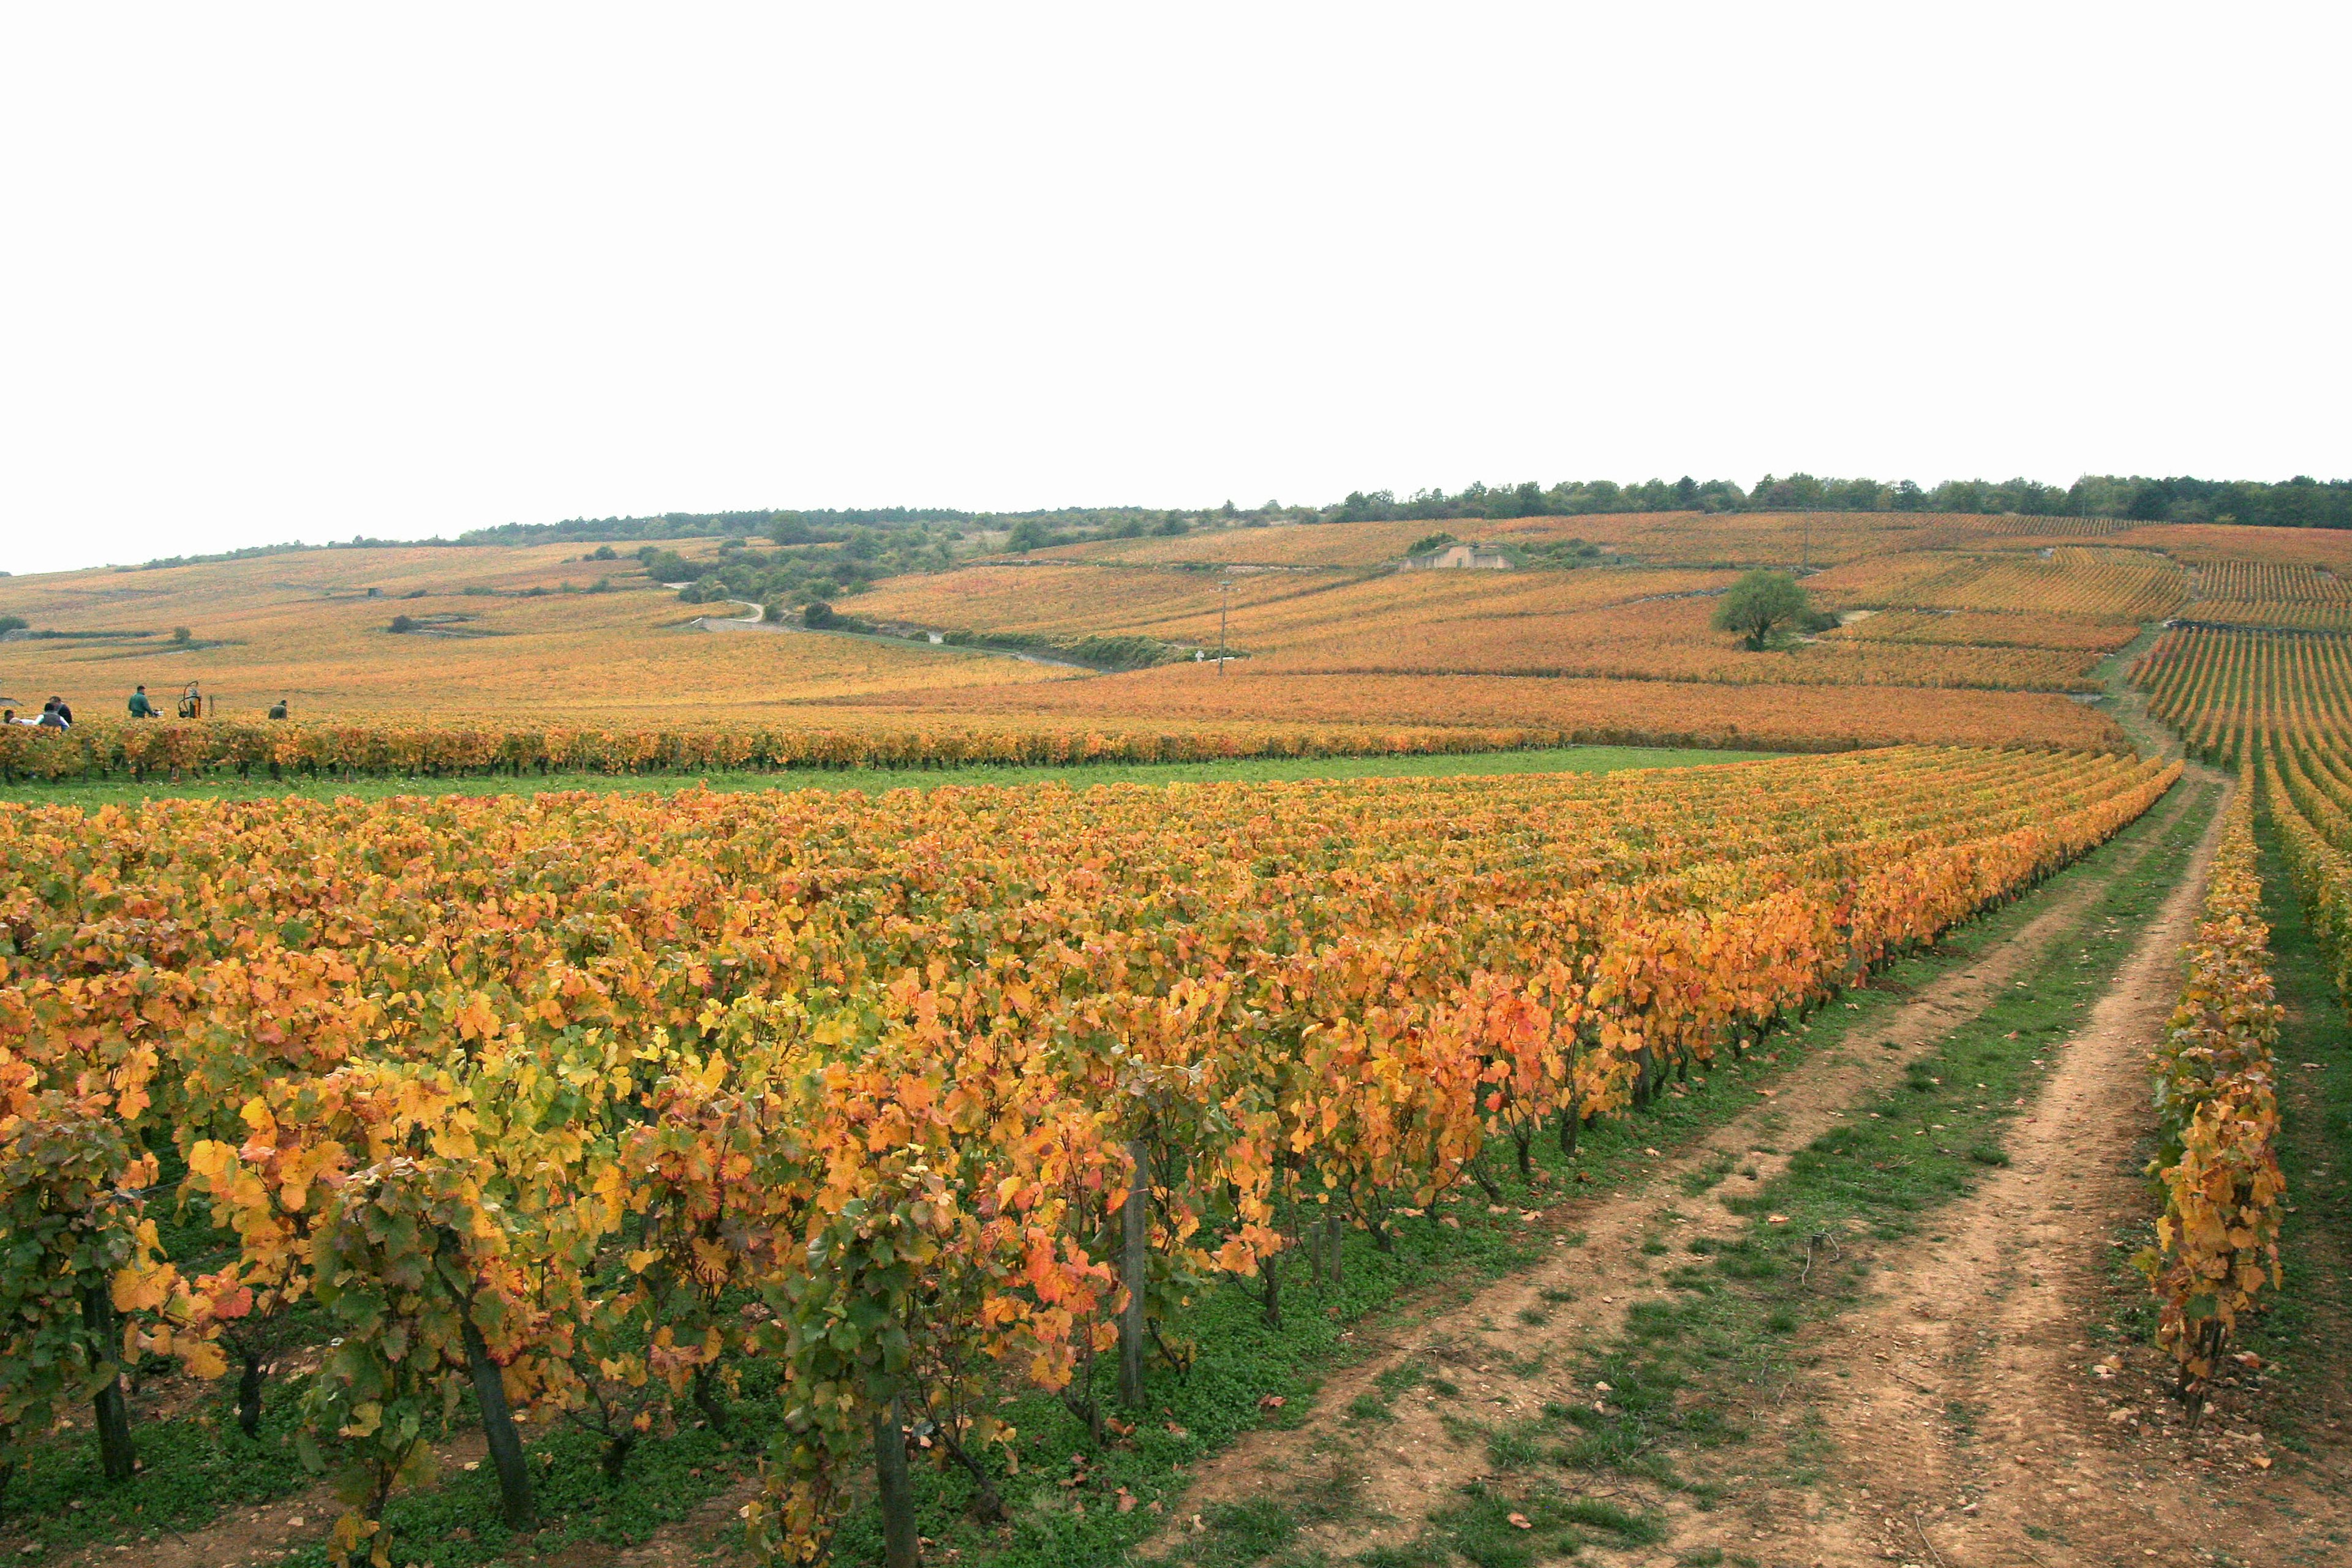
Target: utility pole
x=1225, y=601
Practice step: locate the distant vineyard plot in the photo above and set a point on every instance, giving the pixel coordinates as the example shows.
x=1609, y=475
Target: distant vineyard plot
x=1598, y=624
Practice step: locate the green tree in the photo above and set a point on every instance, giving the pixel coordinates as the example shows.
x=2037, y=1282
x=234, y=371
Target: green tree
x=1760, y=603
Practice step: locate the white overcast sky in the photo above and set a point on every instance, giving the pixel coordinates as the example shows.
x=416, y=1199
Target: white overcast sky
x=316, y=270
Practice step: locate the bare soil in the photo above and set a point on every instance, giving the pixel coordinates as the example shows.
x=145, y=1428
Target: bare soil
x=1976, y=1422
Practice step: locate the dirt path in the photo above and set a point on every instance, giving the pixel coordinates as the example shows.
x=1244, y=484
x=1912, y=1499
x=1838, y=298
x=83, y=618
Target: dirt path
x=2129, y=704
x=1977, y=1423
x=1515, y=1346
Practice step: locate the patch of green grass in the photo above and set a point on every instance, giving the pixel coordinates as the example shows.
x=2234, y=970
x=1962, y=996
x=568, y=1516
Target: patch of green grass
x=194, y=1467
x=1632, y=1528
x=1422, y=1552
x=1238, y=1533
x=1495, y=1528
x=1695, y=1182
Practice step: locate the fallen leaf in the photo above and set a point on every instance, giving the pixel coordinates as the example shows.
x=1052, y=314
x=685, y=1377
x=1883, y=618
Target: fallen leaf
x=1521, y=1521
x=1776, y=1219
x=1126, y=1500
x=1176, y=1431
x=2262, y=1461
x=1271, y=1402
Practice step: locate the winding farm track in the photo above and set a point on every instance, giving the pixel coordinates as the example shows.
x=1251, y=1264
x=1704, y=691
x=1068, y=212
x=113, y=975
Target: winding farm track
x=1414, y=1466
x=1978, y=1420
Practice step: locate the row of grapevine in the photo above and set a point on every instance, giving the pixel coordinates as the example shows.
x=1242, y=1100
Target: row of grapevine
x=2069, y=580
x=957, y=1091
x=2216, y=1105
x=2270, y=593
x=2224, y=690
x=98, y=749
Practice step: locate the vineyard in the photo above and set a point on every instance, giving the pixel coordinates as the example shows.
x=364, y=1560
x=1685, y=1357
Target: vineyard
x=2227, y=691
x=1988, y=629
x=1777, y=716
x=963, y=1092
x=990, y=1173
x=535, y=637
x=2064, y=580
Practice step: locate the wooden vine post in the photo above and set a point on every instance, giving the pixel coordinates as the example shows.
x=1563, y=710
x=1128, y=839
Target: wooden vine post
x=1134, y=1273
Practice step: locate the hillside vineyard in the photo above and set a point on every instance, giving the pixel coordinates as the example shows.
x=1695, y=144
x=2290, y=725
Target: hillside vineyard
x=550, y=1085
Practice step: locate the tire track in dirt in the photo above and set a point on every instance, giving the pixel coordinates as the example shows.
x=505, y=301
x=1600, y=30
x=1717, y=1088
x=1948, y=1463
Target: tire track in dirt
x=1513, y=1346
x=1974, y=1417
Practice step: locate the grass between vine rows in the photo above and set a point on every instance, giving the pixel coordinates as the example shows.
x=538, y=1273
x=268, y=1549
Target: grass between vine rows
x=1551, y=760
x=1697, y=1378
x=199, y=1468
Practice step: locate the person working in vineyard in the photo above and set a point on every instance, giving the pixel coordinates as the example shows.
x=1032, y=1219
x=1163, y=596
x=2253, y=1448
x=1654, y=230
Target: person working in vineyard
x=140, y=707
x=278, y=708
x=64, y=713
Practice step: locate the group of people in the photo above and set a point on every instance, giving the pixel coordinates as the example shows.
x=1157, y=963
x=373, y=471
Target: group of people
x=57, y=715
